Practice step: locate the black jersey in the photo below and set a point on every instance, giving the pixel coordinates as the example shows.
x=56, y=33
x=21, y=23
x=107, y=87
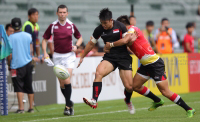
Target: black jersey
x=112, y=35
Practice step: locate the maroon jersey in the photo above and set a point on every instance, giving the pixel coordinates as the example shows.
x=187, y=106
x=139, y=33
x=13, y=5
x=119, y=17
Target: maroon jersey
x=62, y=35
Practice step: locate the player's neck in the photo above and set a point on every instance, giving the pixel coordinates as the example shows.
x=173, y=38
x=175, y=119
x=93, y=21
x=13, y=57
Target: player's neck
x=62, y=22
x=189, y=33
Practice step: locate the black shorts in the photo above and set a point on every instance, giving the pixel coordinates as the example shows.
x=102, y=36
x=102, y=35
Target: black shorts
x=123, y=63
x=23, y=80
x=155, y=70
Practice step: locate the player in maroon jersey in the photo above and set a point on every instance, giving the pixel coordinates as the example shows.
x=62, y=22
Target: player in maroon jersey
x=64, y=51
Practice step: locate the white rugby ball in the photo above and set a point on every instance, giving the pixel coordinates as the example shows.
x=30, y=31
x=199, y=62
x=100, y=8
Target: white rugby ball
x=61, y=72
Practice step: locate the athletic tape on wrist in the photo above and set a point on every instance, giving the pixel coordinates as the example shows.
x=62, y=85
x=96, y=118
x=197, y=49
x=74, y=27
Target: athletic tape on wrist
x=94, y=40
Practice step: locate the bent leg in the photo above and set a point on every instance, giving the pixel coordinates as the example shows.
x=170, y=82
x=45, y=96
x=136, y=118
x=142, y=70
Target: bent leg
x=164, y=89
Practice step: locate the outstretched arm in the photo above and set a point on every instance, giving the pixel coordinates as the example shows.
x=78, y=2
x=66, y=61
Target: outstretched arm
x=87, y=49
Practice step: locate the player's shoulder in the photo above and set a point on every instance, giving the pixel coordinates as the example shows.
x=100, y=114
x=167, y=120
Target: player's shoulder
x=99, y=28
x=70, y=22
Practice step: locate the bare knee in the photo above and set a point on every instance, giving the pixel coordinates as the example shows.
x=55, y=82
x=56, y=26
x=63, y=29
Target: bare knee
x=137, y=88
x=98, y=76
x=128, y=87
x=165, y=92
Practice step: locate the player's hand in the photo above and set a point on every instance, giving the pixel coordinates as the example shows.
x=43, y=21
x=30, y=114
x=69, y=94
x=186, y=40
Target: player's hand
x=46, y=55
x=74, y=48
x=106, y=50
x=133, y=36
x=81, y=60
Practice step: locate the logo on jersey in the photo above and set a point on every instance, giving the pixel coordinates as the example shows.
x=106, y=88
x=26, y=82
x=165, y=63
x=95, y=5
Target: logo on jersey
x=55, y=27
x=115, y=30
x=69, y=27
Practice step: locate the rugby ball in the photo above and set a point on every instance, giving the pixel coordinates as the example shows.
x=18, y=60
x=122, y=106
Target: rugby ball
x=61, y=72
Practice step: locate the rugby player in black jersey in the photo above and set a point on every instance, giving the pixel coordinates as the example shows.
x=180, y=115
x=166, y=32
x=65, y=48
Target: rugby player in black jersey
x=110, y=31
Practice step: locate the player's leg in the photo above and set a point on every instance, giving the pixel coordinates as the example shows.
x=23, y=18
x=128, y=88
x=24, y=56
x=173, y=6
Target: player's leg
x=126, y=77
x=66, y=89
x=103, y=69
x=139, y=79
x=158, y=74
x=164, y=89
x=125, y=71
x=67, y=60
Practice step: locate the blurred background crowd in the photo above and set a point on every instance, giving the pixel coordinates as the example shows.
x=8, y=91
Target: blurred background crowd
x=171, y=26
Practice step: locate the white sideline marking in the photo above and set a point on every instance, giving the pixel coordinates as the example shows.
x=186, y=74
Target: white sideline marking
x=99, y=113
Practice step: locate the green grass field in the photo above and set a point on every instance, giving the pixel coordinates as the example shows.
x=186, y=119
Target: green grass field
x=112, y=111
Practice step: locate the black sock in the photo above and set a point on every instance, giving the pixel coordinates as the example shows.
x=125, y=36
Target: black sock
x=63, y=91
x=68, y=91
x=128, y=96
x=153, y=97
x=146, y=92
x=181, y=103
x=96, y=89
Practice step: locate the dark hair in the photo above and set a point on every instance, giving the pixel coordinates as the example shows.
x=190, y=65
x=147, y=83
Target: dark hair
x=124, y=19
x=62, y=6
x=105, y=14
x=32, y=11
x=150, y=23
x=132, y=16
x=7, y=26
x=164, y=19
x=189, y=24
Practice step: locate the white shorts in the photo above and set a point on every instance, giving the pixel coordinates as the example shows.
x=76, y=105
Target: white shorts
x=66, y=59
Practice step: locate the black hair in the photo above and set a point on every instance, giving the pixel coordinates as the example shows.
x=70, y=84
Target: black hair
x=7, y=26
x=150, y=23
x=32, y=11
x=105, y=14
x=62, y=6
x=164, y=19
x=132, y=16
x=189, y=24
x=124, y=19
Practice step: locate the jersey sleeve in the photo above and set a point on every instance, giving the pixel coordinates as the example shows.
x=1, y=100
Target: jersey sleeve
x=123, y=29
x=77, y=34
x=97, y=32
x=47, y=33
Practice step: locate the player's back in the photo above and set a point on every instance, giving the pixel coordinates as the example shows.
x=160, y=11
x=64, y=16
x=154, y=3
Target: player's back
x=142, y=49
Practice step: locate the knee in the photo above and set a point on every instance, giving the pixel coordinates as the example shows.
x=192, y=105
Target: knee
x=137, y=88
x=129, y=87
x=98, y=75
x=164, y=92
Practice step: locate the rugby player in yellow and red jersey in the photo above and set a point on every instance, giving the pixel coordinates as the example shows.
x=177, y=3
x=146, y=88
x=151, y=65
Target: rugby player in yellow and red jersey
x=152, y=66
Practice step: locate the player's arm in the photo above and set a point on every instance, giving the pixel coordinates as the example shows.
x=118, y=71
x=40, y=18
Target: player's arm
x=46, y=37
x=44, y=48
x=90, y=45
x=78, y=36
x=127, y=40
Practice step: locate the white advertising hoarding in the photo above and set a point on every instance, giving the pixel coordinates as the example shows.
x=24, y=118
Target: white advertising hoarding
x=82, y=82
